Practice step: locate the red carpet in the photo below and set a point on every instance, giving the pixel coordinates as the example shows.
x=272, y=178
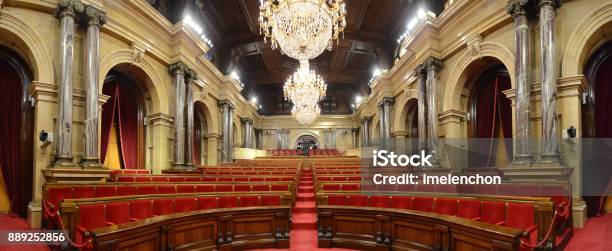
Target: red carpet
x=596, y=235
x=304, y=219
x=10, y=223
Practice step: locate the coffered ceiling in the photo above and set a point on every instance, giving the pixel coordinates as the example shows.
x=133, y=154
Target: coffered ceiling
x=369, y=42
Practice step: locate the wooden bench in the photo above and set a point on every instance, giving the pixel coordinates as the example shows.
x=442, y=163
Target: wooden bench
x=367, y=228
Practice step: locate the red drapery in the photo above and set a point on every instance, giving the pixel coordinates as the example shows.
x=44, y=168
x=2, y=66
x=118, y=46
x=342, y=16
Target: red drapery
x=122, y=107
x=197, y=143
x=493, y=112
x=10, y=136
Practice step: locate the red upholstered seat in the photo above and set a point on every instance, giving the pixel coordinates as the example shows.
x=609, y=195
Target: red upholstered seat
x=57, y=194
x=521, y=216
x=163, y=206
x=185, y=189
x=176, y=179
x=240, y=179
x=185, y=205
x=350, y=187
x=90, y=217
x=358, y=200
x=125, y=179
x=166, y=189
x=259, y=188
x=279, y=187
x=83, y=192
x=324, y=178
x=285, y=179
x=249, y=201
x=127, y=190
x=256, y=178
x=242, y=188
x=207, y=203
x=336, y=200
x=270, y=200
x=424, y=204
x=493, y=212
x=209, y=179
x=141, y=209
x=225, y=179
x=204, y=188
x=469, y=209
x=272, y=179
x=330, y=187
x=147, y=190
x=354, y=178
x=142, y=179
x=224, y=188
x=159, y=179
x=228, y=201
x=446, y=206
x=105, y=191
x=378, y=201
x=192, y=179
x=118, y=212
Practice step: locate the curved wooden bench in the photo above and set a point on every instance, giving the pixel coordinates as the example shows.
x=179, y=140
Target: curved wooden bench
x=216, y=229
x=366, y=228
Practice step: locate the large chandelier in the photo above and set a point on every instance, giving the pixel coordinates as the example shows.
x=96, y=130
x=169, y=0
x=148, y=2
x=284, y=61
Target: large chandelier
x=304, y=87
x=302, y=28
x=305, y=115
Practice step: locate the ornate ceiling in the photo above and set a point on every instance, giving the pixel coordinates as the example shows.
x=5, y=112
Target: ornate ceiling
x=373, y=27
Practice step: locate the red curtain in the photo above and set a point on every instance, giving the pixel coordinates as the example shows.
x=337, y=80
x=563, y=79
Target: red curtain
x=108, y=116
x=123, y=108
x=197, y=143
x=493, y=111
x=10, y=136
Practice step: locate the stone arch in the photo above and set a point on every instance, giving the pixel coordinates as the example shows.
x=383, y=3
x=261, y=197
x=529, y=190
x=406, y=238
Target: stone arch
x=309, y=133
x=586, y=39
x=401, y=110
x=144, y=72
x=24, y=40
x=211, y=115
x=464, y=69
x=237, y=127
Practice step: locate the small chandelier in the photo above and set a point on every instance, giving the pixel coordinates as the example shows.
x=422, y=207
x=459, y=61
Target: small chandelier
x=305, y=115
x=302, y=28
x=304, y=87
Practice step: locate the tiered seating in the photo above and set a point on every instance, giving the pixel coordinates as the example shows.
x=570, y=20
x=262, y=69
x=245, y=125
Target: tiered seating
x=325, y=152
x=225, y=177
x=313, y=152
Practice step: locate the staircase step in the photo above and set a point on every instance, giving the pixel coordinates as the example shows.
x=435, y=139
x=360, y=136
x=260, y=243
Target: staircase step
x=306, y=189
x=304, y=221
x=306, y=183
x=305, y=198
x=304, y=207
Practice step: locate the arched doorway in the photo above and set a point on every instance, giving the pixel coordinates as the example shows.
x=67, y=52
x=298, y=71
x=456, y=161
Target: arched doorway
x=412, y=127
x=16, y=132
x=123, y=129
x=597, y=124
x=490, y=119
x=306, y=142
x=201, y=128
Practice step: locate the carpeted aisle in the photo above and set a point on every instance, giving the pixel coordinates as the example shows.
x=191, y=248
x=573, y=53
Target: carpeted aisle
x=10, y=223
x=304, y=218
x=596, y=235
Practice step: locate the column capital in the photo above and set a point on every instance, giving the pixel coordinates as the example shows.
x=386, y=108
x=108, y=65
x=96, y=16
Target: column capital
x=71, y=8
x=226, y=102
x=517, y=7
x=94, y=16
x=386, y=100
x=433, y=63
x=355, y=130
x=246, y=120
x=191, y=74
x=366, y=119
x=420, y=71
x=553, y=3
x=178, y=67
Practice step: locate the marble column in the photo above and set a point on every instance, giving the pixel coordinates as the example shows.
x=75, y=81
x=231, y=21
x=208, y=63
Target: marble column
x=258, y=138
x=433, y=66
x=67, y=11
x=365, y=124
x=550, y=145
x=248, y=132
x=179, y=70
x=518, y=10
x=191, y=76
x=228, y=134
x=385, y=122
x=421, y=74
x=94, y=19
x=355, y=132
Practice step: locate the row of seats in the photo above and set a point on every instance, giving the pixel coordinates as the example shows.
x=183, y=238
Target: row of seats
x=338, y=178
x=332, y=187
x=193, y=178
x=313, y=152
x=96, y=215
x=325, y=152
x=247, y=168
x=232, y=172
x=128, y=171
x=57, y=194
x=515, y=215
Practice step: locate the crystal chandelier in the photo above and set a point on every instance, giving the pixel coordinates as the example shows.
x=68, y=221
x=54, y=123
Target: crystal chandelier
x=303, y=29
x=305, y=115
x=304, y=87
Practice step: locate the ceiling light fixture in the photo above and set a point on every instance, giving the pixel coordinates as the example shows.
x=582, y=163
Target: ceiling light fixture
x=188, y=20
